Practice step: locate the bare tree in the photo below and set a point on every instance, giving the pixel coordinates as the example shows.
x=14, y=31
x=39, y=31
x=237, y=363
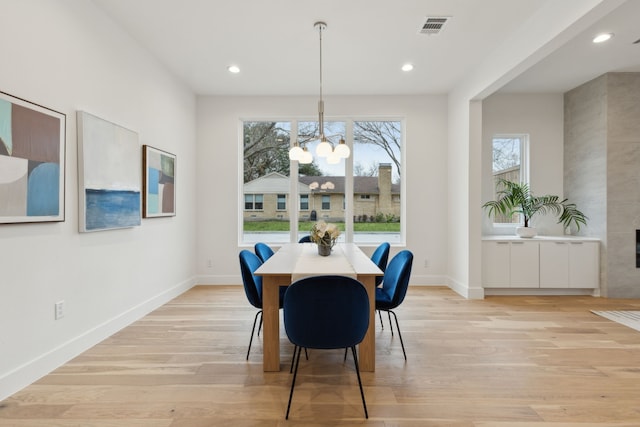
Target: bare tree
x=266, y=150
x=506, y=153
x=366, y=170
x=384, y=134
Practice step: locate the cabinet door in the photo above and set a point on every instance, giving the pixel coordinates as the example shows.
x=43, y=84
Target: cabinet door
x=554, y=265
x=495, y=264
x=525, y=265
x=584, y=265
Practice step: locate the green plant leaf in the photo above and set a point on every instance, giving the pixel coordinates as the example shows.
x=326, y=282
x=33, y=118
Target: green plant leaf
x=515, y=197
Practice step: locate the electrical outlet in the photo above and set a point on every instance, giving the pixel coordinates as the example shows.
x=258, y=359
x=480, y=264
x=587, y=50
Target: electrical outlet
x=59, y=310
x=209, y=263
x=426, y=263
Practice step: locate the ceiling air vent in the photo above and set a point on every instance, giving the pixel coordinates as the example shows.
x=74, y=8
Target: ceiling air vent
x=434, y=24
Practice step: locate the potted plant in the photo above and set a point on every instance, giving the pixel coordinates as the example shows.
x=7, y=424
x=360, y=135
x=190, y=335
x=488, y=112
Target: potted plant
x=324, y=235
x=515, y=197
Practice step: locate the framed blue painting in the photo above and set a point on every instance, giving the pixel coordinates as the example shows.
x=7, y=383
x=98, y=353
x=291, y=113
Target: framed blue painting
x=32, y=161
x=159, y=183
x=109, y=175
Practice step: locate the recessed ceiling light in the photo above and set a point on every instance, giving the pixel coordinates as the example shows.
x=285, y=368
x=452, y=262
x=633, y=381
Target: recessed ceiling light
x=407, y=67
x=602, y=37
x=233, y=69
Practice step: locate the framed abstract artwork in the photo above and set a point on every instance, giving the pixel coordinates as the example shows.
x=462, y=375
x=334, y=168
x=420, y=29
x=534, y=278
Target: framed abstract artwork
x=32, y=161
x=159, y=178
x=109, y=175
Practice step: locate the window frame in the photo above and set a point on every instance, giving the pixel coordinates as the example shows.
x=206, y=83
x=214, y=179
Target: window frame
x=349, y=197
x=301, y=196
x=524, y=169
x=328, y=202
x=254, y=202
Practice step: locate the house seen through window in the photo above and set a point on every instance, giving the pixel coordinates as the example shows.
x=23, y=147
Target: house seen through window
x=370, y=197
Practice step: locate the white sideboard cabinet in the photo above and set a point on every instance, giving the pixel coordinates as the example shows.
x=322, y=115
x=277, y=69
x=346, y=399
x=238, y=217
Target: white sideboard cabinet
x=540, y=262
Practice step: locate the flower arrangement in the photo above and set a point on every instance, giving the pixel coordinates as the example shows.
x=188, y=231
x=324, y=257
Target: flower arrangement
x=324, y=234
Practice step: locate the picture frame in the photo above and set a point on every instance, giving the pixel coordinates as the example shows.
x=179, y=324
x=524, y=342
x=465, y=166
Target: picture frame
x=159, y=192
x=32, y=162
x=109, y=169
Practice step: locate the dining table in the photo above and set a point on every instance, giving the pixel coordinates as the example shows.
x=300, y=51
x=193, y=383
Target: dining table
x=294, y=261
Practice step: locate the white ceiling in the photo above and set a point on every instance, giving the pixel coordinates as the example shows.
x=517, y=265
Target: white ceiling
x=366, y=41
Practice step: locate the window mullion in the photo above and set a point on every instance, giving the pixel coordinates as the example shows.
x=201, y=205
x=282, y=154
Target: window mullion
x=348, y=184
x=293, y=187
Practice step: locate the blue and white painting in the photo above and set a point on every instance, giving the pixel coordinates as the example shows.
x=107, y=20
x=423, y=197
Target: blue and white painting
x=110, y=175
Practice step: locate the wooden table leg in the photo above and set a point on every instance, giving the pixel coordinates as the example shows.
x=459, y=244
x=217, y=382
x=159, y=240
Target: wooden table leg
x=367, y=357
x=271, y=322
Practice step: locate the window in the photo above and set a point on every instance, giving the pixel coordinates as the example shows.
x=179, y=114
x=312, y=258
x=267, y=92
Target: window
x=326, y=202
x=510, y=154
x=253, y=202
x=369, y=196
x=377, y=169
x=265, y=188
x=325, y=182
x=304, y=202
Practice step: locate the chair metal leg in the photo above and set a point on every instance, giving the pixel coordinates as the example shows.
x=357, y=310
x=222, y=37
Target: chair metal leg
x=380, y=316
x=296, y=348
x=293, y=383
x=253, y=330
x=399, y=334
x=260, y=326
x=355, y=361
x=390, y=324
x=293, y=358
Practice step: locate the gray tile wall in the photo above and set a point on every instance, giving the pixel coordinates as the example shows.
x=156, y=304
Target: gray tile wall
x=602, y=172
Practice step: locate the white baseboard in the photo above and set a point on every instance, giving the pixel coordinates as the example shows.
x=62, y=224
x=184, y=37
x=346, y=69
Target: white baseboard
x=32, y=370
x=540, y=291
x=465, y=290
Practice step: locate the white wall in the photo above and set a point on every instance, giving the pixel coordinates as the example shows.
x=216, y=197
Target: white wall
x=541, y=116
x=219, y=192
x=553, y=24
x=68, y=56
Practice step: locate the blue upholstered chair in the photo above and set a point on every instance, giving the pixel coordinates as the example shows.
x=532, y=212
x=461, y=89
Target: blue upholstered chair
x=263, y=251
x=380, y=257
x=394, y=288
x=326, y=312
x=249, y=263
x=305, y=239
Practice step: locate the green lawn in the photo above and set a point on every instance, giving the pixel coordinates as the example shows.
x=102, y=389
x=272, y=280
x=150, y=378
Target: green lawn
x=306, y=226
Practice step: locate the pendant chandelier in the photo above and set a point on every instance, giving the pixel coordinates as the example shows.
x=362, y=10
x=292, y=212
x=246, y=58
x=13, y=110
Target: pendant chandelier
x=324, y=148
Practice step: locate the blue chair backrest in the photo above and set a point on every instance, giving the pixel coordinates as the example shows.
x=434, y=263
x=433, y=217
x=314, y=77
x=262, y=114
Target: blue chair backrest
x=326, y=312
x=305, y=239
x=249, y=263
x=396, y=277
x=380, y=257
x=263, y=251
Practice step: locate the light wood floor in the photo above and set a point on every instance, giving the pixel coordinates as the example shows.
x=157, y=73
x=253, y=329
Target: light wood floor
x=499, y=362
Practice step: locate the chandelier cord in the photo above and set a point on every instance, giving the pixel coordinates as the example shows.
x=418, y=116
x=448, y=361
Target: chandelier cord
x=320, y=29
x=321, y=26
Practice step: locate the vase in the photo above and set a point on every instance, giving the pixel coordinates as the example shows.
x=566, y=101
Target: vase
x=526, y=232
x=324, y=250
